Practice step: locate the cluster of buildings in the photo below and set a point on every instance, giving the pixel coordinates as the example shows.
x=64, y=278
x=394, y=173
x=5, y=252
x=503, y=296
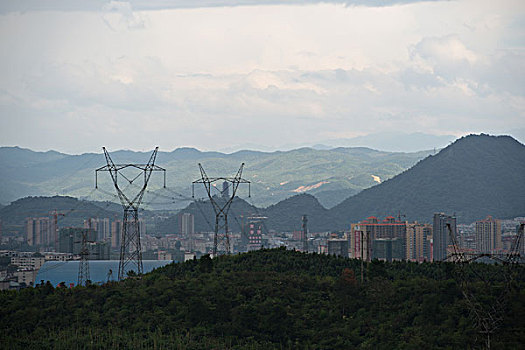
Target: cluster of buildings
x=386, y=239
x=43, y=232
x=392, y=239
x=19, y=269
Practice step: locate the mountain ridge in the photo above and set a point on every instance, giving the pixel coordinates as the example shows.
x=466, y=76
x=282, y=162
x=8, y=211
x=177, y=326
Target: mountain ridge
x=274, y=176
x=460, y=159
x=476, y=176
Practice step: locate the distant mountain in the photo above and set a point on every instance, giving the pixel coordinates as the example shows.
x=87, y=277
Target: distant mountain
x=23, y=157
x=476, y=176
x=333, y=174
x=287, y=215
x=394, y=141
x=384, y=141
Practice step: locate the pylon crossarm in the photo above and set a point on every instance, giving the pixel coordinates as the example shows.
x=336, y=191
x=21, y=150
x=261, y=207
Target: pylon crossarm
x=204, y=177
x=109, y=161
x=153, y=157
x=149, y=167
x=239, y=172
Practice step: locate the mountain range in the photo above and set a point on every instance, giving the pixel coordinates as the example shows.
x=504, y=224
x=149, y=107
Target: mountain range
x=385, y=141
x=331, y=175
x=476, y=176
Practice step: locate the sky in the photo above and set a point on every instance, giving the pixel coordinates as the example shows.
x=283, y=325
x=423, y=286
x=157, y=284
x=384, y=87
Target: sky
x=78, y=75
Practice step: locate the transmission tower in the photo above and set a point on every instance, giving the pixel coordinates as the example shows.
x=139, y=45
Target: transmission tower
x=487, y=317
x=305, y=233
x=130, y=249
x=83, y=266
x=221, y=205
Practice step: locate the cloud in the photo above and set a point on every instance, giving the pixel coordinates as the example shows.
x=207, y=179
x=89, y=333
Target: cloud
x=447, y=60
x=151, y=5
x=445, y=50
x=269, y=75
x=119, y=15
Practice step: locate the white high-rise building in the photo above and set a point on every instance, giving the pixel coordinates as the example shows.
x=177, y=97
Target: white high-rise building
x=488, y=235
x=38, y=231
x=186, y=224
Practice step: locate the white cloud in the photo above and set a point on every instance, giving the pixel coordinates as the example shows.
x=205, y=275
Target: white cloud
x=119, y=15
x=445, y=50
x=258, y=74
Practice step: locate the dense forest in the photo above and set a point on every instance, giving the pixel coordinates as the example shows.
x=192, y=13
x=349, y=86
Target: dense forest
x=268, y=299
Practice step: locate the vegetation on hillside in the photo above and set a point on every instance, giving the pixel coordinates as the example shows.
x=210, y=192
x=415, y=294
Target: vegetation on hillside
x=274, y=175
x=262, y=300
x=476, y=176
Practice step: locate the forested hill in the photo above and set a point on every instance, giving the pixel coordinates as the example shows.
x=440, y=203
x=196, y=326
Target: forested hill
x=75, y=211
x=476, y=176
x=268, y=299
x=331, y=174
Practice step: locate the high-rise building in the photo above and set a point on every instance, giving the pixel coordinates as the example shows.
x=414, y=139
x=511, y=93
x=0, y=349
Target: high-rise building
x=116, y=233
x=418, y=242
x=254, y=232
x=186, y=224
x=91, y=223
x=359, y=242
x=101, y=226
x=441, y=235
x=364, y=233
x=98, y=250
x=488, y=235
x=70, y=239
x=104, y=229
x=38, y=231
x=388, y=249
x=142, y=227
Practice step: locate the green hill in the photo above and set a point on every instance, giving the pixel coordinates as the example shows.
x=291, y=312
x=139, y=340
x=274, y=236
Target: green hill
x=14, y=215
x=268, y=299
x=476, y=176
x=333, y=174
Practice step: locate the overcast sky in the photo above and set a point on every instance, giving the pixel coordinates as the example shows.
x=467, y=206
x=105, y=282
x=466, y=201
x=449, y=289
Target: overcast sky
x=79, y=75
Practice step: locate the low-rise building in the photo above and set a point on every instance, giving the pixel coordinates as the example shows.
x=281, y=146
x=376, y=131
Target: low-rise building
x=26, y=276
x=32, y=262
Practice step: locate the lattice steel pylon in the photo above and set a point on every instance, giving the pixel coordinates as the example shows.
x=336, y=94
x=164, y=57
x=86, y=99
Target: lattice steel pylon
x=83, y=266
x=130, y=248
x=487, y=318
x=221, y=205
